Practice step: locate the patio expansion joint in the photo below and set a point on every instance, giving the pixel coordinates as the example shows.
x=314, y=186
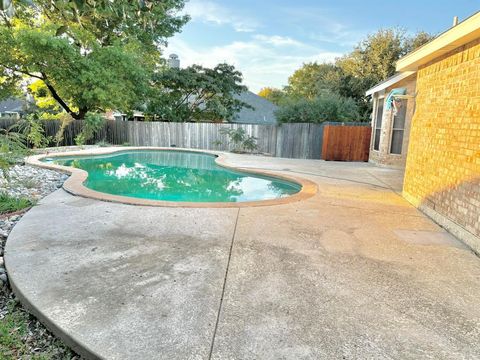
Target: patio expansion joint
x=223, y=287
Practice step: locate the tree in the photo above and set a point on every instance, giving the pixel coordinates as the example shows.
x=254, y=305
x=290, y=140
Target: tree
x=419, y=39
x=374, y=59
x=274, y=95
x=327, y=107
x=196, y=93
x=90, y=55
x=312, y=79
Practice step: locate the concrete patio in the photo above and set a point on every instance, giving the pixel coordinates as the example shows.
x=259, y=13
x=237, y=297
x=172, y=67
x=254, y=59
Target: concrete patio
x=353, y=272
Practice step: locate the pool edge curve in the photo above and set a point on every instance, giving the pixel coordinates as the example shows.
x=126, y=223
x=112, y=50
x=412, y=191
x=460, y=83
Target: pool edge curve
x=74, y=184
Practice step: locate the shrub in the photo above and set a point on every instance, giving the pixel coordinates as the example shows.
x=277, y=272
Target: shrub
x=240, y=139
x=92, y=123
x=65, y=120
x=31, y=127
x=10, y=204
x=326, y=107
x=12, y=149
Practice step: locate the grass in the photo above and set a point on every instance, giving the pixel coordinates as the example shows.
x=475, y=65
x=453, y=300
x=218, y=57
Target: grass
x=103, y=143
x=9, y=204
x=18, y=340
x=28, y=183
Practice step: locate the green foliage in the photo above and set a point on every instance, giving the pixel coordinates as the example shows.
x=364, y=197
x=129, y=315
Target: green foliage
x=373, y=60
x=240, y=139
x=375, y=57
x=31, y=127
x=313, y=78
x=196, y=93
x=10, y=204
x=22, y=337
x=103, y=143
x=92, y=124
x=43, y=99
x=65, y=120
x=90, y=55
x=326, y=107
x=276, y=96
x=12, y=149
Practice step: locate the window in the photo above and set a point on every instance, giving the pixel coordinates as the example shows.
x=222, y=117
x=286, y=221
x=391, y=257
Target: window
x=398, y=127
x=378, y=124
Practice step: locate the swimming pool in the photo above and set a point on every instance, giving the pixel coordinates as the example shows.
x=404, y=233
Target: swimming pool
x=173, y=175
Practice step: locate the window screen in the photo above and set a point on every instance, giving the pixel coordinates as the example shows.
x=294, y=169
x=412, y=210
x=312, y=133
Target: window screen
x=378, y=124
x=398, y=127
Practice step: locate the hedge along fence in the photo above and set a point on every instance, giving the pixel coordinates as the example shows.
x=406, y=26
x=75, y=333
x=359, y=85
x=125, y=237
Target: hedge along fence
x=290, y=140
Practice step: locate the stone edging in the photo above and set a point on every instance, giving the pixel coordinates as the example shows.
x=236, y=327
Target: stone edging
x=74, y=184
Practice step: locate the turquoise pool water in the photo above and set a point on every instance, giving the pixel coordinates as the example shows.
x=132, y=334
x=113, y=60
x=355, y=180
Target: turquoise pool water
x=174, y=176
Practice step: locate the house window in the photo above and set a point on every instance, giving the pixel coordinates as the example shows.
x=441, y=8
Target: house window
x=398, y=127
x=378, y=124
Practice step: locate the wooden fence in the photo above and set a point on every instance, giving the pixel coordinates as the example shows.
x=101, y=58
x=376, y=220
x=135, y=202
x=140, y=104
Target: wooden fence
x=346, y=143
x=296, y=140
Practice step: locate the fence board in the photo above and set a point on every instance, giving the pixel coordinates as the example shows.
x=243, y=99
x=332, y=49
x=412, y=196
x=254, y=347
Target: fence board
x=346, y=143
x=292, y=140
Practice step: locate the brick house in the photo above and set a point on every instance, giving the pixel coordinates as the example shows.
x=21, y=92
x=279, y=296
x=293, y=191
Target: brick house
x=391, y=124
x=442, y=163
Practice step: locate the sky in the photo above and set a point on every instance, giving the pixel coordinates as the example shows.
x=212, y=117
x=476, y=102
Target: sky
x=267, y=40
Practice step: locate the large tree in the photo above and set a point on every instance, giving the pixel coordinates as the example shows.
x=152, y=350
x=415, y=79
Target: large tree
x=374, y=58
x=371, y=61
x=312, y=79
x=91, y=55
x=196, y=93
x=276, y=96
x=326, y=107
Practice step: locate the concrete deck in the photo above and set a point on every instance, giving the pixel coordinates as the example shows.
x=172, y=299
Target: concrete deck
x=353, y=272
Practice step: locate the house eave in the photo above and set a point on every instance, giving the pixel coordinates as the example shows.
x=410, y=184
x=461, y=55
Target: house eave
x=389, y=82
x=459, y=35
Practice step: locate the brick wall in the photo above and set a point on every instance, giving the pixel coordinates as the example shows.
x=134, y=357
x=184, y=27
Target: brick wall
x=443, y=164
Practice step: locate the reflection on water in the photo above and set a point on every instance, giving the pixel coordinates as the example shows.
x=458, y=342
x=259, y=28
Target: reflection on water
x=174, y=176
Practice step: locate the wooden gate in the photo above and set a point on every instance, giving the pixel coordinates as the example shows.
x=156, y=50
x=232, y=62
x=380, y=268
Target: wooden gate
x=346, y=143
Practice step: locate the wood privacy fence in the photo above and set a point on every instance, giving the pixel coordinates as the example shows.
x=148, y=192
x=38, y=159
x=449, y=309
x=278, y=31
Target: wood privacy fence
x=296, y=140
x=346, y=143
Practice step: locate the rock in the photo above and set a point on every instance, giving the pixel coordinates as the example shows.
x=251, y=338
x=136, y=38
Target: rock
x=3, y=278
x=2, y=270
x=2, y=263
x=31, y=182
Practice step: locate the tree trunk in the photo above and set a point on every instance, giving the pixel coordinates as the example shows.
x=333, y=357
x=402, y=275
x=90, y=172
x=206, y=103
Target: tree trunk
x=80, y=115
x=76, y=115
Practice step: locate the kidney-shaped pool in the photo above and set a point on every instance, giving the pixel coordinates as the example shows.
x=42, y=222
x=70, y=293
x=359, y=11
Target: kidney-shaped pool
x=179, y=176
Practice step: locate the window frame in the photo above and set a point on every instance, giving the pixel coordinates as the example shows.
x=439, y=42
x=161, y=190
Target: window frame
x=379, y=100
x=393, y=128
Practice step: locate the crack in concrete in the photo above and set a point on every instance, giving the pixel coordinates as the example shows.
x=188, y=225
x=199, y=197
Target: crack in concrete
x=224, y=286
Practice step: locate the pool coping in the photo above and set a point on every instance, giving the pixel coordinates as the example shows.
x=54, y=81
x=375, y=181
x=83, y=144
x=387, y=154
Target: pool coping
x=74, y=184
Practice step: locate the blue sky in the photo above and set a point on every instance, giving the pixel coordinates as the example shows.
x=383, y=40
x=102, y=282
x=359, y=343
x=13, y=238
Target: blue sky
x=267, y=39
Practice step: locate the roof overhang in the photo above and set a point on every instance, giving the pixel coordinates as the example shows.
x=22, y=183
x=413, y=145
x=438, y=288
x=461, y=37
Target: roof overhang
x=389, y=82
x=461, y=34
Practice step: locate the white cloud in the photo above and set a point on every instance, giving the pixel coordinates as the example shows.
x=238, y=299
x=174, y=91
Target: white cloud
x=277, y=40
x=210, y=12
x=263, y=60
x=327, y=29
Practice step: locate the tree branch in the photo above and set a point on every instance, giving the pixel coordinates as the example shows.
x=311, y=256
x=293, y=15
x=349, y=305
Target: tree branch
x=25, y=72
x=57, y=97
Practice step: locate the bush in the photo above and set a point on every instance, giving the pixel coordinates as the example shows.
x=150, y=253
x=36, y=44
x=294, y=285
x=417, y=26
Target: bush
x=240, y=139
x=31, y=127
x=12, y=149
x=326, y=107
x=10, y=204
x=93, y=123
